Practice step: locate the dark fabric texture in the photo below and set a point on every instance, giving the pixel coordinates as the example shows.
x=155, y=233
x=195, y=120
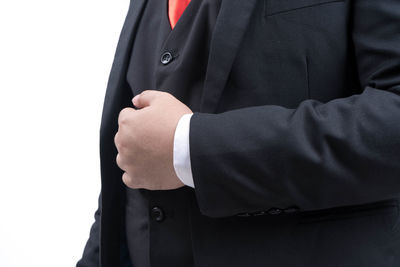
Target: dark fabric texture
x=294, y=145
x=303, y=137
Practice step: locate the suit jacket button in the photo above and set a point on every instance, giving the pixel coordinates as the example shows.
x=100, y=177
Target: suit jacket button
x=166, y=58
x=291, y=209
x=274, y=211
x=157, y=214
x=245, y=214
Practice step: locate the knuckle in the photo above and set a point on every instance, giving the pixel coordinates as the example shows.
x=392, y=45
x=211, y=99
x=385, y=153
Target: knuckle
x=129, y=181
x=119, y=143
x=123, y=116
x=119, y=161
x=117, y=139
x=145, y=92
x=126, y=179
x=149, y=93
x=122, y=149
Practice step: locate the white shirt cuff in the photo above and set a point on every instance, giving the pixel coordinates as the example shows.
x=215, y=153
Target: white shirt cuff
x=183, y=168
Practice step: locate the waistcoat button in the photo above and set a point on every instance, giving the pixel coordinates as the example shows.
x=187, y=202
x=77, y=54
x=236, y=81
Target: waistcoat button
x=166, y=58
x=157, y=214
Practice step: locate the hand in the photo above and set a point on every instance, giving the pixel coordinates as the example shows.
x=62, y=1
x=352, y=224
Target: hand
x=145, y=140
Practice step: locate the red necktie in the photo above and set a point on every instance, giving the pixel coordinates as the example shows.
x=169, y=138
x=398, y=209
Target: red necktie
x=175, y=10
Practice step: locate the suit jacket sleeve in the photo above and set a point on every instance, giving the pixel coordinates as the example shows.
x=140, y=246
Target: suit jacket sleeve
x=319, y=155
x=91, y=256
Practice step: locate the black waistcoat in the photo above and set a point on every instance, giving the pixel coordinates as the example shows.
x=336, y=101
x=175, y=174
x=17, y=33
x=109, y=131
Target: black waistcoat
x=157, y=222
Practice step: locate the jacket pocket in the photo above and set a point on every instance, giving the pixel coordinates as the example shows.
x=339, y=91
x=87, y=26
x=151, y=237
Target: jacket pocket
x=272, y=7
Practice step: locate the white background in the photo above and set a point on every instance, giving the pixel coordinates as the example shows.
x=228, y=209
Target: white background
x=55, y=58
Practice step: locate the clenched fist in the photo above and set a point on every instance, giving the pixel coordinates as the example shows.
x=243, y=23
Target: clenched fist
x=145, y=141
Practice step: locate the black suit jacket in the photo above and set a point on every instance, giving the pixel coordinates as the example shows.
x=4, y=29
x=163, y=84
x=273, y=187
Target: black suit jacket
x=302, y=170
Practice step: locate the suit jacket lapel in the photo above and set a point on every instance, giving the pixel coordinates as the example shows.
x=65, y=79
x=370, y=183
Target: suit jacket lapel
x=231, y=25
x=117, y=96
x=117, y=79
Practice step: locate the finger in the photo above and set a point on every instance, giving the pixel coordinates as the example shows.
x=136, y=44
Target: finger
x=130, y=182
x=126, y=179
x=120, y=144
x=124, y=115
x=117, y=140
x=119, y=161
x=146, y=98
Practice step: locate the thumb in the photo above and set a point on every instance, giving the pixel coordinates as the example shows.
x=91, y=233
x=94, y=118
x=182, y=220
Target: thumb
x=146, y=98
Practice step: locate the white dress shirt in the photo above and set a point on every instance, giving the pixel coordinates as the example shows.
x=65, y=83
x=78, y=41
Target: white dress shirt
x=183, y=168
